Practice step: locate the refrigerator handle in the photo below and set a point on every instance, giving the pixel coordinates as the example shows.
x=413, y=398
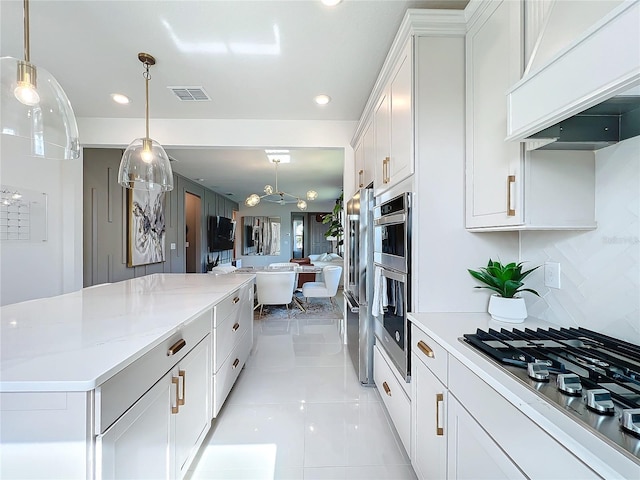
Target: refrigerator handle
x=351, y=306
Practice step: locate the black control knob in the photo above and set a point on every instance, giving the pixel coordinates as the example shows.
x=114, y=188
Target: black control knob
x=599, y=400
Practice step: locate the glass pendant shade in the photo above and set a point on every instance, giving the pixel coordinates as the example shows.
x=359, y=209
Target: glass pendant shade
x=34, y=107
x=145, y=166
x=302, y=205
x=252, y=200
x=312, y=195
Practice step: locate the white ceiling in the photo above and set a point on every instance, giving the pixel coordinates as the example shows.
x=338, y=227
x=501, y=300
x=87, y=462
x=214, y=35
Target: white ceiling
x=256, y=60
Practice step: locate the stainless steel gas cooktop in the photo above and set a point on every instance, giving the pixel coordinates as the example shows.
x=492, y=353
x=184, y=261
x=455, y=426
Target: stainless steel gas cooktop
x=593, y=378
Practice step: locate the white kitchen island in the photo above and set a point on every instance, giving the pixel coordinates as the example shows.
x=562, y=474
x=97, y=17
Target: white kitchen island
x=119, y=378
x=486, y=420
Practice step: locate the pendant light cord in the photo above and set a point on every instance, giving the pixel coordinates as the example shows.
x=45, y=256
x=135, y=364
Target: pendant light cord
x=146, y=76
x=27, y=56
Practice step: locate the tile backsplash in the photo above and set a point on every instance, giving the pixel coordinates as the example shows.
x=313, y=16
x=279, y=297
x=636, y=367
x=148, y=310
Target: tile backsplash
x=600, y=269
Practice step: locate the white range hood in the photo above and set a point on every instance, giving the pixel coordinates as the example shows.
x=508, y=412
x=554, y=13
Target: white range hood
x=602, y=63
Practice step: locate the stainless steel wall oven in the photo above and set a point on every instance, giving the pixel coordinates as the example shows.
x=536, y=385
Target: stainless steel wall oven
x=392, y=287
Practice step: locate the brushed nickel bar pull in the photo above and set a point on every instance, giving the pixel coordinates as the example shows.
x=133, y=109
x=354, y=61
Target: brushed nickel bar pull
x=235, y=327
x=176, y=382
x=236, y=362
x=176, y=347
x=426, y=349
x=439, y=414
x=183, y=374
x=236, y=300
x=387, y=390
x=511, y=212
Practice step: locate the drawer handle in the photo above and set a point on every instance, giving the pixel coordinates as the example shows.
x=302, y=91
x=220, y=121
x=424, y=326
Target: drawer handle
x=361, y=178
x=511, y=180
x=387, y=390
x=235, y=327
x=426, y=349
x=439, y=414
x=236, y=300
x=176, y=382
x=176, y=347
x=236, y=362
x=183, y=374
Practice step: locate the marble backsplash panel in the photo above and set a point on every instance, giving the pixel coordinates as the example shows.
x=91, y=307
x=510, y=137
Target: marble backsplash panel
x=600, y=269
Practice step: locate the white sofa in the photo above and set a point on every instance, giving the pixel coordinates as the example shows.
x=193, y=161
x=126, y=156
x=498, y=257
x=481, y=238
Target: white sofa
x=324, y=259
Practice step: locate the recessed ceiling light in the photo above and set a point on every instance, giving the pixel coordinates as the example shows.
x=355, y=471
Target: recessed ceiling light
x=119, y=98
x=200, y=179
x=331, y=3
x=322, y=99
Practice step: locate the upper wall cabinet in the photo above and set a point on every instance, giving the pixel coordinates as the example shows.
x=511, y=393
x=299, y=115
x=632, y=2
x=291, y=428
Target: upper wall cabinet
x=506, y=187
x=385, y=138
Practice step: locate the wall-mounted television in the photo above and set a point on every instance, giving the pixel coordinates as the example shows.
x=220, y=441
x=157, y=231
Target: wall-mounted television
x=222, y=232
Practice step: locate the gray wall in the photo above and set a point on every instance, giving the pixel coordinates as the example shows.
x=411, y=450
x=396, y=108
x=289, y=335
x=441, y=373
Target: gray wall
x=105, y=222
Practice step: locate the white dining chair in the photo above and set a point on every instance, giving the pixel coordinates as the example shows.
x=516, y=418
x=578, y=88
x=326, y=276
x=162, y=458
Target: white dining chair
x=325, y=289
x=275, y=288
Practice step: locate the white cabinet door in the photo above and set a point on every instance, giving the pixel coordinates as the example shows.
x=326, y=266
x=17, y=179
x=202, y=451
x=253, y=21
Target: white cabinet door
x=138, y=445
x=382, y=142
x=192, y=421
x=393, y=396
x=473, y=454
x=365, y=157
x=400, y=164
x=428, y=421
x=493, y=65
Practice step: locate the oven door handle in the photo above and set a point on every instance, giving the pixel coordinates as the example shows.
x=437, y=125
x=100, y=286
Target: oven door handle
x=397, y=276
x=390, y=219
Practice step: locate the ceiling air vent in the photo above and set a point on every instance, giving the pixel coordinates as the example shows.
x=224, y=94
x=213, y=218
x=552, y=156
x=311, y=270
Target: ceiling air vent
x=191, y=94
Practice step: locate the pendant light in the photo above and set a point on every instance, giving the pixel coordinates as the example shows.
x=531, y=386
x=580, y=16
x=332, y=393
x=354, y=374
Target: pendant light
x=34, y=107
x=145, y=165
x=276, y=195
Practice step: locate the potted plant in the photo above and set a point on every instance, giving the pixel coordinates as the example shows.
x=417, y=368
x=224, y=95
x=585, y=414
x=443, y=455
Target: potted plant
x=506, y=280
x=334, y=219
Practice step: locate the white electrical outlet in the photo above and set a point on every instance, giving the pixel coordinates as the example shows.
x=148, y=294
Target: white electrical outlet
x=552, y=274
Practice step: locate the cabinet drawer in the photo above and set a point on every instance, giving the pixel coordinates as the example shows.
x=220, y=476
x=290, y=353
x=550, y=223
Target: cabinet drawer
x=395, y=400
x=430, y=353
x=230, y=305
x=118, y=393
x=227, y=335
x=507, y=426
x=226, y=376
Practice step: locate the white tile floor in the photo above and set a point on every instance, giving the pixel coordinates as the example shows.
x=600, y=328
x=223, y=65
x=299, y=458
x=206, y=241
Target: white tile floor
x=298, y=411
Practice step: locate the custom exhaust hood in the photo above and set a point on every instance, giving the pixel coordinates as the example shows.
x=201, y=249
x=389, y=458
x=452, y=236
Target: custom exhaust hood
x=587, y=96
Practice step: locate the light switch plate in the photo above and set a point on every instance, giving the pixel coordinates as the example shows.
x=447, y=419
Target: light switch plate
x=172, y=246
x=552, y=274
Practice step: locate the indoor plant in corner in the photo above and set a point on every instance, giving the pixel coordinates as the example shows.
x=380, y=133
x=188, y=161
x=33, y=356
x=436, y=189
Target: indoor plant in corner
x=506, y=281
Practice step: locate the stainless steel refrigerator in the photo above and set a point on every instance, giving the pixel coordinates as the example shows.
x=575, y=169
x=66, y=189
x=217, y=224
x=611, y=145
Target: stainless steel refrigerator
x=359, y=291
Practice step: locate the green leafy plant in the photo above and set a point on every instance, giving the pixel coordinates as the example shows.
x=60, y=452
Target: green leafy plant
x=335, y=222
x=505, y=280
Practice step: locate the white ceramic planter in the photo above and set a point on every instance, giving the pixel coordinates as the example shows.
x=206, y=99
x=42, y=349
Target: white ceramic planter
x=510, y=310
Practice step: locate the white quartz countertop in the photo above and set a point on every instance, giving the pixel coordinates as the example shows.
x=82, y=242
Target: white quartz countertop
x=76, y=341
x=448, y=328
